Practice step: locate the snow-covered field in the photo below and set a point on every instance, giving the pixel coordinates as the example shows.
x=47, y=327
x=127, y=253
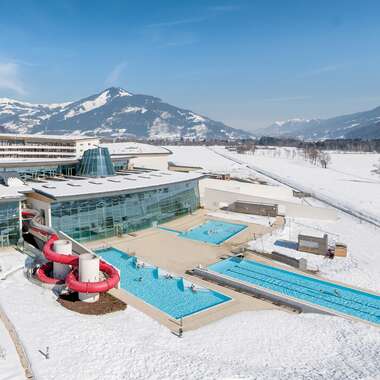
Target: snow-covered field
x=348, y=180
x=206, y=159
x=129, y=345
x=249, y=345
x=362, y=267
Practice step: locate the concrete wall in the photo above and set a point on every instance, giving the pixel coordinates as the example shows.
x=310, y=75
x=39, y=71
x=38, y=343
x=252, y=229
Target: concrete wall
x=264, y=209
x=213, y=199
x=313, y=244
x=281, y=258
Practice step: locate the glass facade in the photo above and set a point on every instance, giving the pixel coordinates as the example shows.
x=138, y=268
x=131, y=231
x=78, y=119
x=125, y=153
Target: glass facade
x=32, y=172
x=9, y=223
x=96, y=163
x=106, y=216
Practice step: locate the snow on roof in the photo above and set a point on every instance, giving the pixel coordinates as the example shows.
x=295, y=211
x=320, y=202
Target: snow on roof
x=25, y=162
x=69, y=137
x=280, y=193
x=13, y=192
x=134, y=148
x=115, y=184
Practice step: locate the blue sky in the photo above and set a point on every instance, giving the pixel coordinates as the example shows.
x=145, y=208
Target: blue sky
x=244, y=62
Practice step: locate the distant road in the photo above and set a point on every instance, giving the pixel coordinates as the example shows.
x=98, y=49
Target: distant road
x=372, y=219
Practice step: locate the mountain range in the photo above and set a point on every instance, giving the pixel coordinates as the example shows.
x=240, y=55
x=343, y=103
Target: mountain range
x=364, y=125
x=113, y=112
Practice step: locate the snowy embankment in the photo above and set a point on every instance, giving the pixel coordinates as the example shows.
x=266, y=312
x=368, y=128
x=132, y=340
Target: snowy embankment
x=129, y=345
x=351, y=187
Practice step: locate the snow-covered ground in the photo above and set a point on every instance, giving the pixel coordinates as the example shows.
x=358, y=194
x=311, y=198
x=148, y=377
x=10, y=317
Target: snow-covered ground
x=205, y=158
x=10, y=366
x=348, y=180
x=360, y=268
x=129, y=345
x=250, y=345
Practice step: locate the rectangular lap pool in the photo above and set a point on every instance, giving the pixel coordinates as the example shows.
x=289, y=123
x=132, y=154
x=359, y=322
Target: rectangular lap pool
x=172, y=295
x=213, y=231
x=339, y=298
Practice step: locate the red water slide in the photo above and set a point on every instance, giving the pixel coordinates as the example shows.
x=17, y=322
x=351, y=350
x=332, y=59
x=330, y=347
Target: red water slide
x=71, y=280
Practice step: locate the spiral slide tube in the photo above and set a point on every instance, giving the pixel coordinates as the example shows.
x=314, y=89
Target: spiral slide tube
x=71, y=279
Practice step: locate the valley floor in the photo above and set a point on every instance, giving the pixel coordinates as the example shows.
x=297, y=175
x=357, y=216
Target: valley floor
x=251, y=345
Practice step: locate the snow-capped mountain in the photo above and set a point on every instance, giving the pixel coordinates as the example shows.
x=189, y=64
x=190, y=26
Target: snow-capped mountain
x=113, y=112
x=365, y=125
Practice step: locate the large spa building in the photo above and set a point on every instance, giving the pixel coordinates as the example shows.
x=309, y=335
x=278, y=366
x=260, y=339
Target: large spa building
x=111, y=189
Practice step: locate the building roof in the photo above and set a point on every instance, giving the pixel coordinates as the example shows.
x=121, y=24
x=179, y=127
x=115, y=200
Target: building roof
x=82, y=187
x=15, y=136
x=33, y=162
x=279, y=193
x=132, y=149
x=11, y=193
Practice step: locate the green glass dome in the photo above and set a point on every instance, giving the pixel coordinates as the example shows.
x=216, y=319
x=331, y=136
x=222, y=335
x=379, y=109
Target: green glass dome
x=96, y=163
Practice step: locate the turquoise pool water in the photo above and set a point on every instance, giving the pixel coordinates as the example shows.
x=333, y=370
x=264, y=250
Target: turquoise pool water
x=336, y=297
x=213, y=231
x=171, y=295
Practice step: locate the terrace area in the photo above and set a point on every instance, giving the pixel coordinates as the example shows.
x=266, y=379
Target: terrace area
x=163, y=248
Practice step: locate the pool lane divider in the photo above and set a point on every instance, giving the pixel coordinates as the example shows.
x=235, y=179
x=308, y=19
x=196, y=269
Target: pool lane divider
x=169, y=230
x=273, y=296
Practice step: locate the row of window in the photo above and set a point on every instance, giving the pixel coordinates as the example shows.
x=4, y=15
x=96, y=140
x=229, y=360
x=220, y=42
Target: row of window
x=107, y=216
x=9, y=223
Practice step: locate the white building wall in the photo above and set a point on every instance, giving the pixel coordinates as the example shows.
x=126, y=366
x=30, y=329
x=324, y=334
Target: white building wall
x=41, y=206
x=82, y=145
x=151, y=162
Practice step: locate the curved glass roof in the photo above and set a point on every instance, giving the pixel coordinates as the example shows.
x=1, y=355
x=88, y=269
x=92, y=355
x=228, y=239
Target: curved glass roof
x=96, y=163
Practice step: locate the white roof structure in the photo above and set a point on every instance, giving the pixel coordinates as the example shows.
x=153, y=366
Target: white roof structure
x=279, y=193
x=25, y=162
x=37, y=136
x=81, y=187
x=9, y=193
x=133, y=149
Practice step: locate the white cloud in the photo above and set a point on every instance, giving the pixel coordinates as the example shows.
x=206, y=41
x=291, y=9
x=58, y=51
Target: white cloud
x=322, y=70
x=287, y=99
x=177, y=22
x=10, y=78
x=113, y=78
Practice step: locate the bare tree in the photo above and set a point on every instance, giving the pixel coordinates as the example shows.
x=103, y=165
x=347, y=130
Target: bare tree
x=324, y=159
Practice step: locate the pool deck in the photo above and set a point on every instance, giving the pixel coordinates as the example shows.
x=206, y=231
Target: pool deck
x=177, y=255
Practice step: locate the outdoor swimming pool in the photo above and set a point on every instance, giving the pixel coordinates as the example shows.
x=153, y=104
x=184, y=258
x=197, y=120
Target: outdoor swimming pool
x=332, y=296
x=171, y=295
x=213, y=231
